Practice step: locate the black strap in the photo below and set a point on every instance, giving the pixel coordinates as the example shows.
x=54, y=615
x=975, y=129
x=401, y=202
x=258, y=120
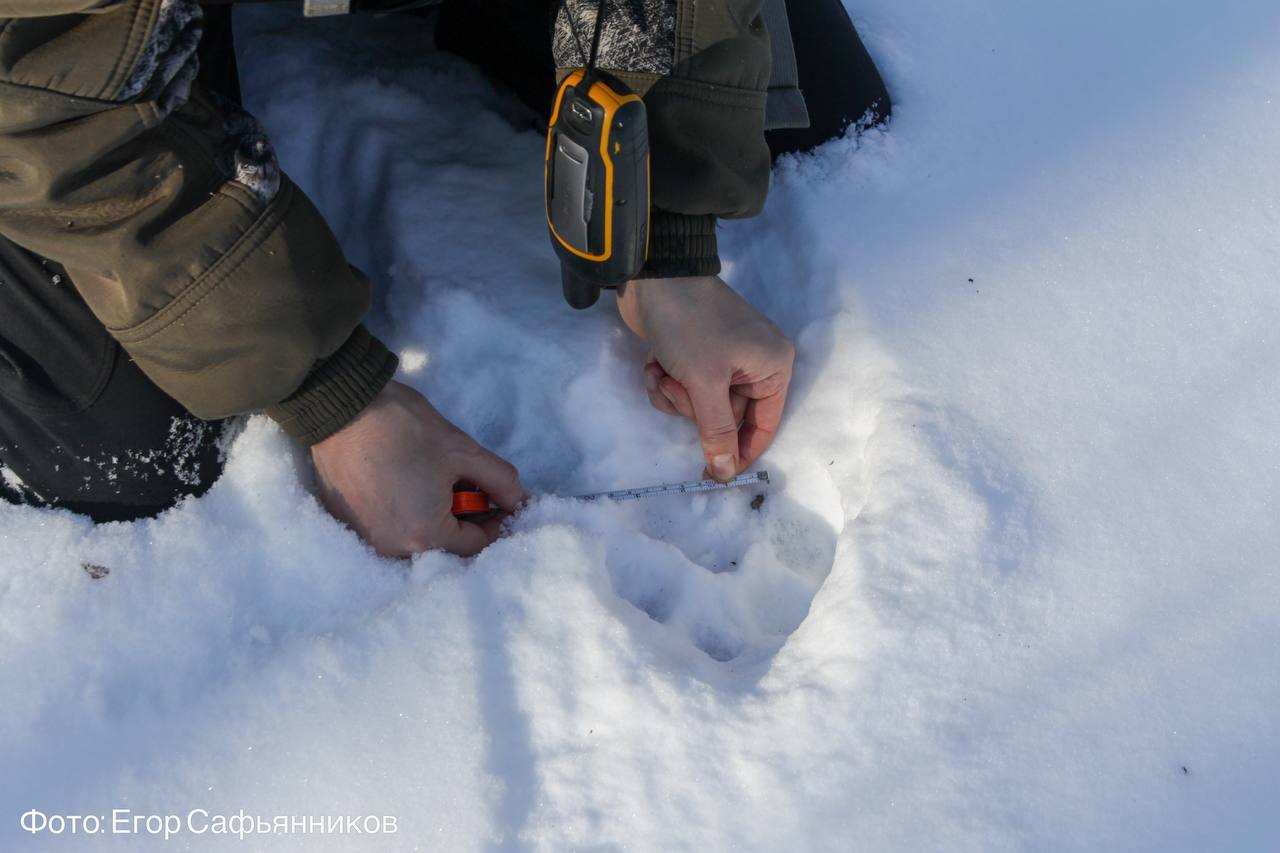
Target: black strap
x=595, y=39
x=590, y=67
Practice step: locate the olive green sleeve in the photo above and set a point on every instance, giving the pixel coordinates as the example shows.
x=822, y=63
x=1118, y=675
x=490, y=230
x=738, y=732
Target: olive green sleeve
x=43, y=8
x=211, y=268
x=703, y=69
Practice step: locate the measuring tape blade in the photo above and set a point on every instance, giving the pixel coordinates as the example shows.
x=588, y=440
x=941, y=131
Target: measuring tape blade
x=691, y=487
x=471, y=504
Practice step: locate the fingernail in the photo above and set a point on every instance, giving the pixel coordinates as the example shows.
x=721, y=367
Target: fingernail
x=671, y=398
x=650, y=381
x=722, y=467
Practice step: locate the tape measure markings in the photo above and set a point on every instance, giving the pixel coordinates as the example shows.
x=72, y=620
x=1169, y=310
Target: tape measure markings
x=470, y=503
x=691, y=487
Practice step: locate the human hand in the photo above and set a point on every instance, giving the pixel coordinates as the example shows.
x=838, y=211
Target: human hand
x=715, y=360
x=389, y=475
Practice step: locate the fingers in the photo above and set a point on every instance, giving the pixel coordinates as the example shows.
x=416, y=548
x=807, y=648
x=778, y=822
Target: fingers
x=672, y=397
x=463, y=538
x=493, y=526
x=718, y=429
x=756, y=407
x=767, y=387
x=675, y=401
x=740, y=404
x=676, y=395
x=653, y=376
x=736, y=422
x=495, y=476
x=466, y=539
x=760, y=427
x=762, y=417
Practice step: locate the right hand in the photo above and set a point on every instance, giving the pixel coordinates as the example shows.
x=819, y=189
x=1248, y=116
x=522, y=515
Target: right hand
x=715, y=360
x=389, y=475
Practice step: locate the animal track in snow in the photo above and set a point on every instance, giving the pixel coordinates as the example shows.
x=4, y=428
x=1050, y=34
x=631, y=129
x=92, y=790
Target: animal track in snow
x=710, y=577
x=707, y=573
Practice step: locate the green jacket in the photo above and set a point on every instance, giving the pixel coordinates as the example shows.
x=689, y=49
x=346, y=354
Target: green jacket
x=216, y=273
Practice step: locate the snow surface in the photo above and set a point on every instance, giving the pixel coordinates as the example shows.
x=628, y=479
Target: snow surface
x=1016, y=584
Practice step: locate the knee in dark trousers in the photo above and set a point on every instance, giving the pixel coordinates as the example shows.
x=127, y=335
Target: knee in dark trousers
x=80, y=425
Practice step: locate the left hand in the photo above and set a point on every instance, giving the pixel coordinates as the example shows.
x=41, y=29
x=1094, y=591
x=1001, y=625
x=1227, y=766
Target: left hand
x=715, y=360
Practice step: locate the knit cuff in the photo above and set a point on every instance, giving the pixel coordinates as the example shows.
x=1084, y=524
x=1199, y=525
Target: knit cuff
x=337, y=390
x=681, y=245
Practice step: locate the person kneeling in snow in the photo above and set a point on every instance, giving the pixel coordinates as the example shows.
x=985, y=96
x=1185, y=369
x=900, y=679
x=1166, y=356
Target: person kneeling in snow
x=159, y=273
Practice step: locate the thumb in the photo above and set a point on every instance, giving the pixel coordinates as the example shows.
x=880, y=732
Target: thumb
x=718, y=429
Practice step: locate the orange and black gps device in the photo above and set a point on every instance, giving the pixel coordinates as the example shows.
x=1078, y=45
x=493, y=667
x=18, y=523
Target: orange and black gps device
x=597, y=184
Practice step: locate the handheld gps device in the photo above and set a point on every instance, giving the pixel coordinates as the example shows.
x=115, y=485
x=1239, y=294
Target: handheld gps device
x=597, y=182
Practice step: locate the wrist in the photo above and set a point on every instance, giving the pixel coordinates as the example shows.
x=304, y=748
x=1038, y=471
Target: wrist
x=338, y=390
x=640, y=297
x=629, y=309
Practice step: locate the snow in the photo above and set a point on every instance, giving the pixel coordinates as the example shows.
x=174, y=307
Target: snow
x=1014, y=587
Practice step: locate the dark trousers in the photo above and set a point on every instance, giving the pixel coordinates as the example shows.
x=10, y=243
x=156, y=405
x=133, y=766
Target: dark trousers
x=80, y=424
x=83, y=428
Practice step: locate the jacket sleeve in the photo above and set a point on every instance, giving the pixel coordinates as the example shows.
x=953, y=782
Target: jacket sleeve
x=214, y=272
x=703, y=69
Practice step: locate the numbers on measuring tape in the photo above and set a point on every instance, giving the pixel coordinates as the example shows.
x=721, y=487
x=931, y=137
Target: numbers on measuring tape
x=690, y=487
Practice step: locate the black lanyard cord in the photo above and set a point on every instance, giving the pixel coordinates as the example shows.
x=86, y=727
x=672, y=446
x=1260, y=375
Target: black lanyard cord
x=590, y=67
x=595, y=39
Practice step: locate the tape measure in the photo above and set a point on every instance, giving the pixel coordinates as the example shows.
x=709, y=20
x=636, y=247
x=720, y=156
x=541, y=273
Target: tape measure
x=691, y=487
x=597, y=180
x=470, y=504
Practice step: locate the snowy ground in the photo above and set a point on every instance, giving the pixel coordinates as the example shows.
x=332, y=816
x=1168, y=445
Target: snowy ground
x=1017, y=584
